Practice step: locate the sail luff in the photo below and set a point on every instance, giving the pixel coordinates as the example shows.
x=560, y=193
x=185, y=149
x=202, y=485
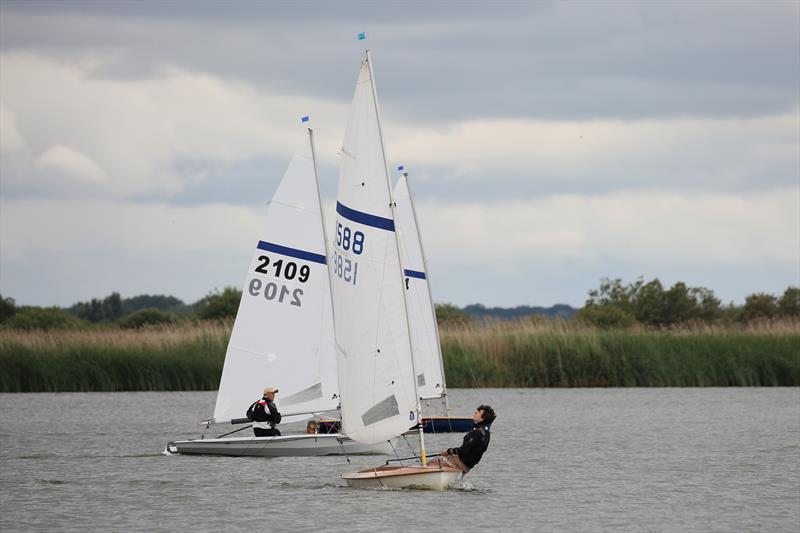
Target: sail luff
x=324, y=234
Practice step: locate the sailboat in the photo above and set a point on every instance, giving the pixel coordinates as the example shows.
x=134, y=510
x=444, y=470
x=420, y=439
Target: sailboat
x=422, y=316
x=283, y=333
x=378, y=383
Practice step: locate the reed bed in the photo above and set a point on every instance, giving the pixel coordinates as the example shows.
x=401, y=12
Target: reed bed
x=563, y=354
x=184, y=357
x=524, y=353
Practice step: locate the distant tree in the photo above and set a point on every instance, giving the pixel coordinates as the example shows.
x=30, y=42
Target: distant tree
x=96, y=310
x=649, y=303
x=759, y=305
x=146, y=317
x=520, y=311
x=158, y=301
x=679, y=306
x=708, y=306
x=7, y=308
x=613, y=293
x=730, y=313
x=450, y=314
x=789, y=304
x=44, y=318
x=112, y=306
x=605, y=316
x=220, y=305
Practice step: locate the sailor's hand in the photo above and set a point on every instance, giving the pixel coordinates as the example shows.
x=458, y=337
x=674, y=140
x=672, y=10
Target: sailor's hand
x=445, y=453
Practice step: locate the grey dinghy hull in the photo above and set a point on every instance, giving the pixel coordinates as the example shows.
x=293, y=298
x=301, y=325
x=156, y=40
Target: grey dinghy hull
x=303, y=445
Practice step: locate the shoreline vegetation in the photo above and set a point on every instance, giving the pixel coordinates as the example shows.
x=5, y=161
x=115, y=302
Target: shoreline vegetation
x=532, y=352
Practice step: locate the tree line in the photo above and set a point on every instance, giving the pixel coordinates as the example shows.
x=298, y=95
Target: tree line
x=613, y=304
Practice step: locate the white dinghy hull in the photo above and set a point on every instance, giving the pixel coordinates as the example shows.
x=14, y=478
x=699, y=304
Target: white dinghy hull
x=283, y=446
x=403, y=477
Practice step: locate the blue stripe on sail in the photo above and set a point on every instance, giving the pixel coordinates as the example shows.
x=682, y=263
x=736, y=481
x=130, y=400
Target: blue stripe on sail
x=365, y=218
x=291, y=252
x=414, y=274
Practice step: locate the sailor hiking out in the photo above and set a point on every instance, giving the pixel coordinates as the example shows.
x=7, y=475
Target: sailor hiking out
x=466, y=456
x=265, y=415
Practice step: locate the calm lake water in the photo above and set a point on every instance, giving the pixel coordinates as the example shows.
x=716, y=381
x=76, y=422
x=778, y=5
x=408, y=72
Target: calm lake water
x=560, y=460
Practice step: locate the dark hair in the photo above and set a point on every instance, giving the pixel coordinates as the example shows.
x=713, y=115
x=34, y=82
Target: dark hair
x=488, y=414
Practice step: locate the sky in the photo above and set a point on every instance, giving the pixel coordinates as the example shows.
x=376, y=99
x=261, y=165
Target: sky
x=548, y=144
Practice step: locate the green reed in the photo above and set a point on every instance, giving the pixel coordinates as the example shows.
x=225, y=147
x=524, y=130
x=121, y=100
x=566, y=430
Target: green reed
x=564, y=355
x=159, y=359
x=503, y=354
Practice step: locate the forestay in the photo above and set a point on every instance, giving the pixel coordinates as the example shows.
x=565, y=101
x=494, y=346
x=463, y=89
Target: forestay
x=422, y=321
x=283, y=335
x=376, y=376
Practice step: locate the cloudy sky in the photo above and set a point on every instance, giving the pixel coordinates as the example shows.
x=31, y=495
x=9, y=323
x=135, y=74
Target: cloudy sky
x=549, y=144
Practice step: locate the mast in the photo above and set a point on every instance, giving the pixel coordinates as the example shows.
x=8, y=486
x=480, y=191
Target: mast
x=324, y=232
x=423, y=459
x=428, y=283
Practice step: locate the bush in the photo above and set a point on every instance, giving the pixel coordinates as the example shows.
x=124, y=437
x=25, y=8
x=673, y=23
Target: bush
x=758, y=306
x=605, y=316
x=450, y=314
x=789, y=304
x=220, y=305
x=7, y=308
x=44, y=318
x=146, y=317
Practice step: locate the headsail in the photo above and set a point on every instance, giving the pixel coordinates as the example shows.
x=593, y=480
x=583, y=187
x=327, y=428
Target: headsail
x=283, y=335
x=421, y=317
x=376, y=375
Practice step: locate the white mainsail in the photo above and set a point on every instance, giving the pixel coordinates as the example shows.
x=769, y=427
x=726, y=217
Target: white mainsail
x=421, y=316
x=283, y=334
x=379, y=400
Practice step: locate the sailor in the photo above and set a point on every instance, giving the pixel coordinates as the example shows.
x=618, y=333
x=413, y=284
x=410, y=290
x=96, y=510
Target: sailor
x=475, y=442
x=265, y=415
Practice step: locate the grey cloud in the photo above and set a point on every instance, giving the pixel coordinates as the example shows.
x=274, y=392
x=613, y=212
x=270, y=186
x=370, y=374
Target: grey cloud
x=448, y=60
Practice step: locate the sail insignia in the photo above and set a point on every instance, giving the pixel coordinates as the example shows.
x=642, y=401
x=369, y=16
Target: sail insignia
x=384, y=409
x=306, y=395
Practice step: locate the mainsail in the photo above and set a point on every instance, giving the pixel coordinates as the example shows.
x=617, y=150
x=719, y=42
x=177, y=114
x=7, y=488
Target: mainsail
x=283, y=334
x=379, y=400
x=421, y=317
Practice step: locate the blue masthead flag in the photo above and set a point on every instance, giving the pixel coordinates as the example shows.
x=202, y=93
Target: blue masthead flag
x=362, y=36
x=401, y=168
x=304, y=119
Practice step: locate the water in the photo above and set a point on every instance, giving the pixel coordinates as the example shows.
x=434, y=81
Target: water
x=560, y=460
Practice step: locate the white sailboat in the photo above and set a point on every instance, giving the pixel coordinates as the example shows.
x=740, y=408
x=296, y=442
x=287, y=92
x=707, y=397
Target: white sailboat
x=378, y=383
x=283, y=333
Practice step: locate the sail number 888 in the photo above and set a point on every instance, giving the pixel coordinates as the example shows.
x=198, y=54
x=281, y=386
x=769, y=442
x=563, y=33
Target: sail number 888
x=349, y=240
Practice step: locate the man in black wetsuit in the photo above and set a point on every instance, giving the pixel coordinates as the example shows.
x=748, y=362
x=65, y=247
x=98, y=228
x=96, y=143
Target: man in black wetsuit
x=265, y=415
x=475, y=442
